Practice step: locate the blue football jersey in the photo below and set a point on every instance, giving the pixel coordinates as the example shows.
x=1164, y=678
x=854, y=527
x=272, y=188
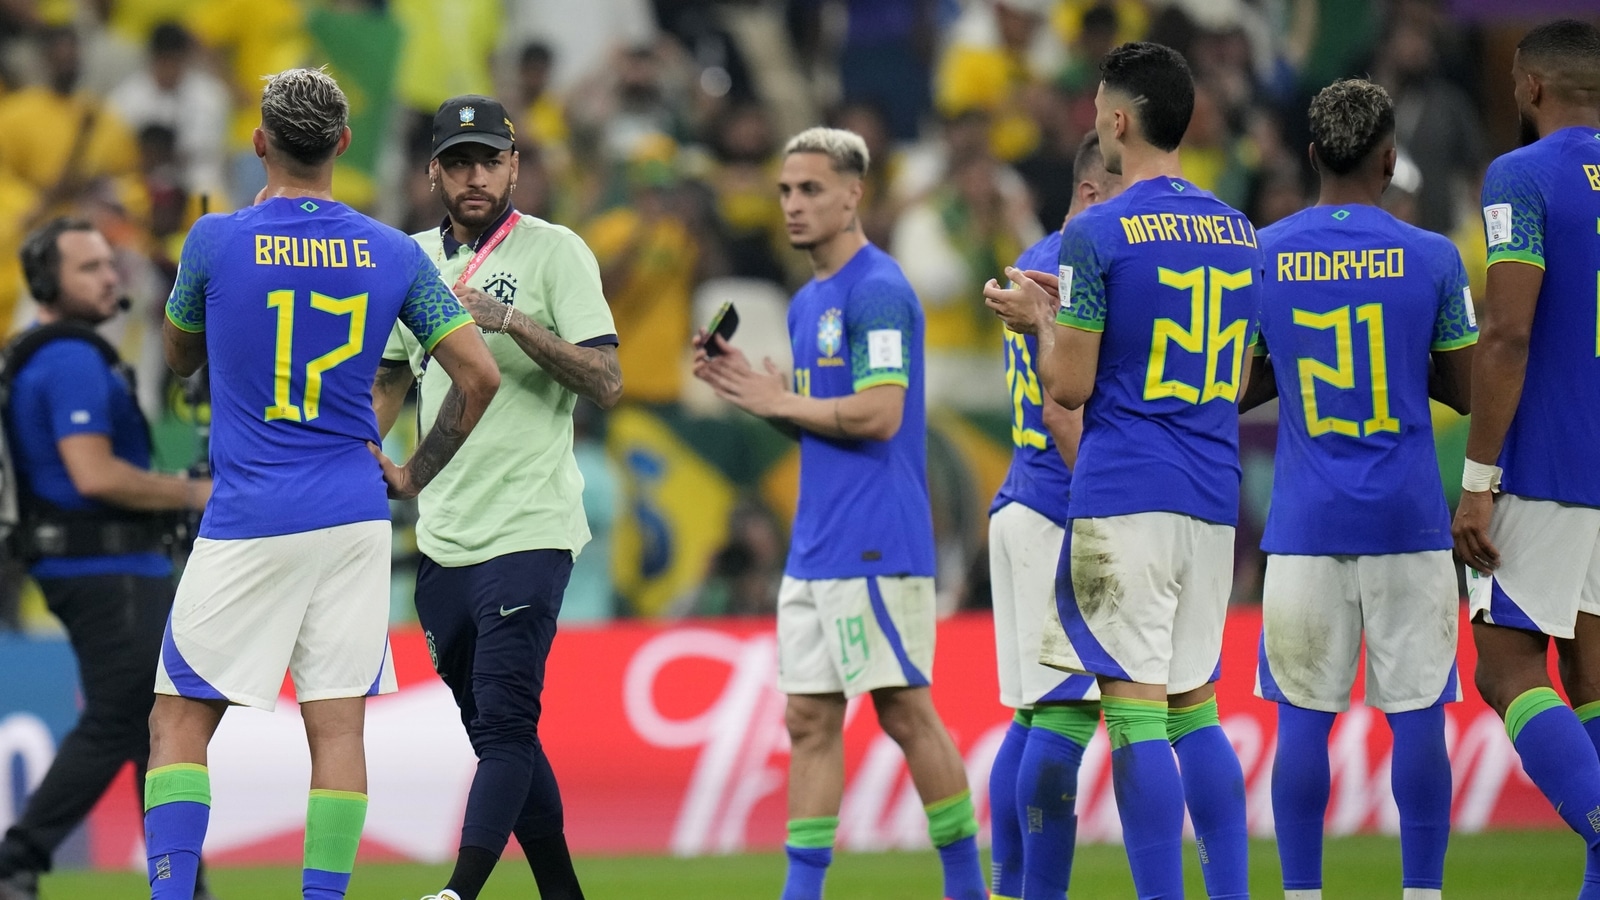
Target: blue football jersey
x=864, y=507
x=1541, y=206
x=296, y=298
x=1171, y=277
x=1038, y=478
x=1354, y=304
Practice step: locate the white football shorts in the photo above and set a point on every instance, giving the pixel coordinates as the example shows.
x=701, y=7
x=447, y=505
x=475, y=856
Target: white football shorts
x=854, y=635
x=1549, y=566
x=1030, y=646
x=1149, y=597
x=1316, y=608
x=315, y=603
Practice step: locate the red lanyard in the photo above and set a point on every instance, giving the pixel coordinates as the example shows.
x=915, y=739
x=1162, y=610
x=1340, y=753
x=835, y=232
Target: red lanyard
x=477, y=261
x=482, y=256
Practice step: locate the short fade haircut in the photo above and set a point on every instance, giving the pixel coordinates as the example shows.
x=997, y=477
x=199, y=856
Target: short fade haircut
x=1566, y=48
x=304, y=113
x=1158, y=78
x=846, y=151
x=1087, y=157
x=1349, y=119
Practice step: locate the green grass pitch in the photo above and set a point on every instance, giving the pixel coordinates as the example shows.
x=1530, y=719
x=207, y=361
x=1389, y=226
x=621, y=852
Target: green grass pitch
x=1523, y=865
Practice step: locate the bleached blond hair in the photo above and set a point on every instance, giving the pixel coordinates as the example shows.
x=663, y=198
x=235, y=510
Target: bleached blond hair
x=304, y=113
x=846, y=151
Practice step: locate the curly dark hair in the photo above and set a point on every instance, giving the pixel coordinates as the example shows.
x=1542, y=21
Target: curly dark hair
x=1349, y=119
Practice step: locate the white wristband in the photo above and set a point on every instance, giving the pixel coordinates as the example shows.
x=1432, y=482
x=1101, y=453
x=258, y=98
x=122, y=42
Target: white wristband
x=1477, y=477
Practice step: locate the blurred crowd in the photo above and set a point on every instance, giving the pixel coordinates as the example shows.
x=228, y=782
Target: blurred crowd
x=652, y=129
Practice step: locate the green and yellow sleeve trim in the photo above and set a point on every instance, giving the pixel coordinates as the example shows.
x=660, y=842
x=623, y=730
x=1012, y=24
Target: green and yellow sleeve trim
x=185, y=328
x=1466, y=340
x=872, y=381
x=1072, y=321
x=1521, y=256
x=461, y=320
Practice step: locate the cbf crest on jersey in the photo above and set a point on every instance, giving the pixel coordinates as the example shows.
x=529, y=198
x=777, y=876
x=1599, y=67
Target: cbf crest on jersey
x=830, y=337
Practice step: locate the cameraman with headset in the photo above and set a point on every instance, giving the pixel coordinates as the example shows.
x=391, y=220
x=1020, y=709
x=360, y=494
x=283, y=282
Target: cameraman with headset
x=96, y=527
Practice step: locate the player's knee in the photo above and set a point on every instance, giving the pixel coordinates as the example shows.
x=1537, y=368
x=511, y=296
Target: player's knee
x=906, y=714
x=811, y=723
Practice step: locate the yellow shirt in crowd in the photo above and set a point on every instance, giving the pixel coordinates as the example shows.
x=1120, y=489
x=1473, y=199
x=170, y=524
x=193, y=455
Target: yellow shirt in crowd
x=651, y=304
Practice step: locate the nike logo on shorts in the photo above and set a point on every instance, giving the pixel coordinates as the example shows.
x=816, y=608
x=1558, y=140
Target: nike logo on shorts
x=506, y=612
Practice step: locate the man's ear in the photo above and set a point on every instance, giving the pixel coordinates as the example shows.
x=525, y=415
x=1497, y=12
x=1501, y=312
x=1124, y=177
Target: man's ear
x=1311, y=152
x=1535, y=88
x=344, y=142
x=258, y=140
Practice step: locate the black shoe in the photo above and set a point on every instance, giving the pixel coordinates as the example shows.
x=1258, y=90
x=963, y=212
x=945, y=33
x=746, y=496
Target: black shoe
x=202, y=890
x=22, y=885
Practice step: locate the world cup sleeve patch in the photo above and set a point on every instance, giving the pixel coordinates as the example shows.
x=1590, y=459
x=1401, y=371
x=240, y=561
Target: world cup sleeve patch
x=1472, y=314
x=884, y=349
x=1497, y=223
x=1065, y=274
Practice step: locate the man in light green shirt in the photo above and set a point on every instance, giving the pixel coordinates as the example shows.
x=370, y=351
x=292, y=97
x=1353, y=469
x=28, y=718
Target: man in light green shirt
x=499, y=528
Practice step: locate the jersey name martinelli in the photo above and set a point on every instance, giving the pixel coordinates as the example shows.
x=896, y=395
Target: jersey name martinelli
x=1038, y=477
x=1171, y=276
x=1541, y=206
x=864, y=507
x=1355, y=302
x=296, y=298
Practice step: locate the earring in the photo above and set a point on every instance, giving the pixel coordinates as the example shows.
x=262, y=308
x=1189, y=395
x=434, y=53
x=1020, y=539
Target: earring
x=433, y=186
x=513, y=187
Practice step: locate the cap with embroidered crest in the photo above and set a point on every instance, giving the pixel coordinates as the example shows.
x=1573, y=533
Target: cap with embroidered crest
x=472, y=118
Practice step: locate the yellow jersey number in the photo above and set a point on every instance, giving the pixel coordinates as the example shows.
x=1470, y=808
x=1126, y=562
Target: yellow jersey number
x=1342, y=374
x=1024, y=385
x=283, y=355
x=1204, y=334
x=802, y=382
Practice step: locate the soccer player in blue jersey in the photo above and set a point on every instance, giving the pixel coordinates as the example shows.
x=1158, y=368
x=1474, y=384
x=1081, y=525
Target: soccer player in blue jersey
x=856, y=610
x=1158, y=292
x=291, y=301
x=1033, y=784
x=1363, y=317
x=1534, y=550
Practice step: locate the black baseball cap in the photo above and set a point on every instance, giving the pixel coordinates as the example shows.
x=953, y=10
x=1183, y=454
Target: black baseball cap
x=472, y=118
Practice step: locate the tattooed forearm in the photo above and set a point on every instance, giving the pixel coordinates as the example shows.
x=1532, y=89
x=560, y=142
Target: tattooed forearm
x=591, y=372
x=389, y=389
x=446, y=436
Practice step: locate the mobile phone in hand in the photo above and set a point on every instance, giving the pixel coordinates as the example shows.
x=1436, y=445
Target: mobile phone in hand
x=723, y=324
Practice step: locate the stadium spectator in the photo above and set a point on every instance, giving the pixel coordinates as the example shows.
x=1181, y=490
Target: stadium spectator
x=248, y=39
x=1048, y=170
x=94, y=532
x=856, y=608
x=999, y=53
x=977, y=221
x=1436, y=124
x=544, y=117
x=746, y=574
x=623, y=108
x=885, y=60
x=92, y=150
x=751, y=227
x=292, y=566
x=489, y=586
x=648, y=261
x=444, y=52
x=173, y=92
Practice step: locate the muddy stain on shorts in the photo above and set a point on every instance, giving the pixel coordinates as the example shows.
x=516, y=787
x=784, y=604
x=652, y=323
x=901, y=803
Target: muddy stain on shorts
x=1094, y=572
